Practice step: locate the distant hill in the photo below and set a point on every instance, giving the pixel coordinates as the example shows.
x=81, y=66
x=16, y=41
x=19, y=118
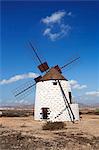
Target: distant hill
x=22, y=106
x=81, y=105
x=17, y=107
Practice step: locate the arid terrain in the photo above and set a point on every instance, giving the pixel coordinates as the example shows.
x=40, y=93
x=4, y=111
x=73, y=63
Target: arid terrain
x=23, y=133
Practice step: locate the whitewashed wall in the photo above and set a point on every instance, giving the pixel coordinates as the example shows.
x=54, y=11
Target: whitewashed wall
x=49, y=95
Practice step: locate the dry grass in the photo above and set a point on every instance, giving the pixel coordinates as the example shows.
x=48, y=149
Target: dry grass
x=17, y=113
x=23, y=133
x=89, y=111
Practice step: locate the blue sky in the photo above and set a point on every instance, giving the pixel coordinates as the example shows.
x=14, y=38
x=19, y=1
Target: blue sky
x=60, y=31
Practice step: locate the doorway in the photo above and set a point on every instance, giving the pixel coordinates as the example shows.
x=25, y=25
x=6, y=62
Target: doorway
x=45, y=113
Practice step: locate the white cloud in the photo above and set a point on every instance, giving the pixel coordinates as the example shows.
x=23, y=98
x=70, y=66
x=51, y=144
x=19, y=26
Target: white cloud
x=47, y=31
x=54, y=21
x=73, y=82
x=54, y=18
x=91, y=97
x=92, y=93
x=18, y=77
x=64, y=30
x=69, y=14
x=22, y=101
x=75, y=85
x=82, y=87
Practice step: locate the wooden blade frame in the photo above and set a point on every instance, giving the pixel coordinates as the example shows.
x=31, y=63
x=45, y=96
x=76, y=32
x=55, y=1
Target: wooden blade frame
x=43, y=66
x=24, y=90
x=69, y=63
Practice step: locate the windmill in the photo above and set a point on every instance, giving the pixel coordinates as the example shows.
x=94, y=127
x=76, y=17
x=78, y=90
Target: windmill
x=53, y=98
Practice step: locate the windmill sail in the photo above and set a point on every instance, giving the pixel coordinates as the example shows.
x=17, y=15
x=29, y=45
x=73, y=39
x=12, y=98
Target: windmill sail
x=70, y=112
x=70, y=63
x=59, y=69
x=24, y=90
x=43, y=67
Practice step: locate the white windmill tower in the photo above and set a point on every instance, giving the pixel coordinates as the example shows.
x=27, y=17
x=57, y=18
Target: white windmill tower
x=53, y=98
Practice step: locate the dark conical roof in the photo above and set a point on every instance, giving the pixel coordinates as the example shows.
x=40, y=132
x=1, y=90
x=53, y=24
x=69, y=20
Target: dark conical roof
x=52, y=74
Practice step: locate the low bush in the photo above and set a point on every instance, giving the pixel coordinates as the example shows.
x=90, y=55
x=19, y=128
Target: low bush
x=97, y=111
x=54, y=126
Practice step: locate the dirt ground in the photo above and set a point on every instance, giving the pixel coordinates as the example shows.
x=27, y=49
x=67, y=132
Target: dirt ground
x=23, y=133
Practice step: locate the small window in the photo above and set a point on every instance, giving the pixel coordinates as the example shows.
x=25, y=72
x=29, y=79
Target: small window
x=54, y=83
x=70, y=97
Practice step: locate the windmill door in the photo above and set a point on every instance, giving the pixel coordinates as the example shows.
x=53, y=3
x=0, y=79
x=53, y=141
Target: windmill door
x=45, y=113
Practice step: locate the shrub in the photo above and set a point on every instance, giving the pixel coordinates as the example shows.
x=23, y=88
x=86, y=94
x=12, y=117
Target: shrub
x=97, y=111
x=53, y=126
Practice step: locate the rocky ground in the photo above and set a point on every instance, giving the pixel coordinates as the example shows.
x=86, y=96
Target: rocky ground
x=23, y=133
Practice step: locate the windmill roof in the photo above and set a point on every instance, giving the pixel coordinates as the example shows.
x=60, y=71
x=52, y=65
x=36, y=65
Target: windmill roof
x=52, y=74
